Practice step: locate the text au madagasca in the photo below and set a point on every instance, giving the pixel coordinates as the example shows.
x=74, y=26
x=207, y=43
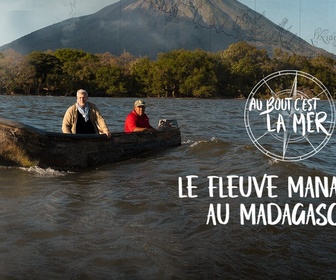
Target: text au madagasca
x=313, y=190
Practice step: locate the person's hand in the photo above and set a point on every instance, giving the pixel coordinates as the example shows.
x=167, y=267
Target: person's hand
x=151, y=130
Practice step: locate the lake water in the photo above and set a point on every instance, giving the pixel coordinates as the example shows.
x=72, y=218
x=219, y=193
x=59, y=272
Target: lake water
x=127, y=221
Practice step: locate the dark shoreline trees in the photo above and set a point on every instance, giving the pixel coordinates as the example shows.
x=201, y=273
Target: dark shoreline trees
x=231, y=73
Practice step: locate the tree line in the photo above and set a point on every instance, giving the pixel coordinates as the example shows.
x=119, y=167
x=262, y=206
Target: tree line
x=230, y=73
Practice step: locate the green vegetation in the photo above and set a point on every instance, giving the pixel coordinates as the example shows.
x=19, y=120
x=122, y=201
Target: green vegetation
x=231, y=73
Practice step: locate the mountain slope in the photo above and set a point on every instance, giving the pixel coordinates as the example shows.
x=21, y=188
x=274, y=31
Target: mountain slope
x=147, y=27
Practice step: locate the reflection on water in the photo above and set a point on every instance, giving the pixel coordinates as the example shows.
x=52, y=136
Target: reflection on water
x=126, y=221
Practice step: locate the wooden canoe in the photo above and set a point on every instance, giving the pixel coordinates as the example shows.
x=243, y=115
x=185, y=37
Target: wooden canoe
x=26, y=146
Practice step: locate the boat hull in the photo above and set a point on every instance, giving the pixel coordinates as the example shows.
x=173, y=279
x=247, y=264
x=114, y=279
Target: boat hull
x=26, y=146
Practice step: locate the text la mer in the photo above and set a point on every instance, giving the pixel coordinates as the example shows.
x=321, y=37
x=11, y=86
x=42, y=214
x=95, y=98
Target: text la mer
x=305, y=123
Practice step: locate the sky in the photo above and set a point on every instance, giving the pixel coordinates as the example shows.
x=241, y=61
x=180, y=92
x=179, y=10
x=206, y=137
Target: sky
x=312, y=20
x=21, y=17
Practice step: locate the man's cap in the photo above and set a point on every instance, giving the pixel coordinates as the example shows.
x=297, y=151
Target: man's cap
x=139, y=103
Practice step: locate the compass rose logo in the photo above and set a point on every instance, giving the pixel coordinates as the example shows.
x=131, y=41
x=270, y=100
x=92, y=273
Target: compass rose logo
x=289, y=115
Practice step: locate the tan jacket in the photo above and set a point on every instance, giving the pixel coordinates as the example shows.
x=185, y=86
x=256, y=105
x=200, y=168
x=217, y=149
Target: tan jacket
x=70, y=120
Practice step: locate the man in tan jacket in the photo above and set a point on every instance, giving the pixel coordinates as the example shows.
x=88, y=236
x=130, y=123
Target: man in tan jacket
x=84, y=117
